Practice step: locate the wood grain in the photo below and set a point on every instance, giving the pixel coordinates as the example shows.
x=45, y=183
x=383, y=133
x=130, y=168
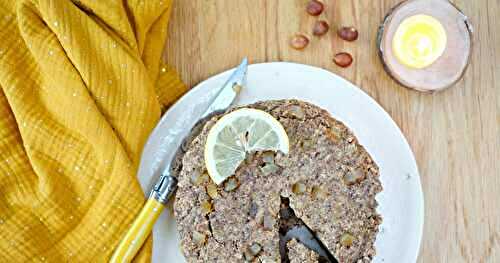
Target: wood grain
x=455, y=134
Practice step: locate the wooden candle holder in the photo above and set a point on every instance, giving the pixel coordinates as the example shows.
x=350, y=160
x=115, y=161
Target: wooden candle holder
x=449, y=67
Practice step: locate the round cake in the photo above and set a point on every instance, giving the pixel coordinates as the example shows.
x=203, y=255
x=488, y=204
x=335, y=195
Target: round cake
x=327, y=179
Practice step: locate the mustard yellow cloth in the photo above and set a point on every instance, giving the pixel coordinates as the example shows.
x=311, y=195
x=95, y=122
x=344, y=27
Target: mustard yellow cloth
x=81, y=87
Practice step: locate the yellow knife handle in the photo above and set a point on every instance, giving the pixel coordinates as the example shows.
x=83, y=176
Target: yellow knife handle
x=138, y=232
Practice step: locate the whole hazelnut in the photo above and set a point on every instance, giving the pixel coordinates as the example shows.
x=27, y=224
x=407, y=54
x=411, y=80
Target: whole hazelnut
x=320, y=28
x=343, y=59
x=315, y=7
x=299, y=41
x=348, y=33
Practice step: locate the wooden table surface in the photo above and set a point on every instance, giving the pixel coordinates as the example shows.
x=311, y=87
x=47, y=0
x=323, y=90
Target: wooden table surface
x=455, y=134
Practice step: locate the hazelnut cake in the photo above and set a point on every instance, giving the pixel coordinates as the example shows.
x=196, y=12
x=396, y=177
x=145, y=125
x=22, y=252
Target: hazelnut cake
x=298, y=253
x=328, y=179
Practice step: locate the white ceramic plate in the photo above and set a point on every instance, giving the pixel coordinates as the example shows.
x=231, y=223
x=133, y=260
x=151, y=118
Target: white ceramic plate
x=401, y=202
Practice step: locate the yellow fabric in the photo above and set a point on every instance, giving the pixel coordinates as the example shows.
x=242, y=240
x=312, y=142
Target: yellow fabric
x=81, y=88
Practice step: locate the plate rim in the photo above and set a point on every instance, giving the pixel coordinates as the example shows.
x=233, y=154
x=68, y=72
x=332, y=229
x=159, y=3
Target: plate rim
x=386, y=115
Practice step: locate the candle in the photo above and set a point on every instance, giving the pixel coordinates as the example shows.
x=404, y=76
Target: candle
x=419, y=41
x=425, y=44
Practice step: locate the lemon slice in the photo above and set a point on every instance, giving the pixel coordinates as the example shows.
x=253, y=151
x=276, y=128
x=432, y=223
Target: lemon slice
x=237, y=134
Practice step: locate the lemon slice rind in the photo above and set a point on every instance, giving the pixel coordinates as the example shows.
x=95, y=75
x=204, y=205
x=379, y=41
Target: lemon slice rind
x=237, y=134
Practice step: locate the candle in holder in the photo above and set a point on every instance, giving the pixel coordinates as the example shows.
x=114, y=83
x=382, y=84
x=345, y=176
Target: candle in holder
x=425, y=44
x=419, y=41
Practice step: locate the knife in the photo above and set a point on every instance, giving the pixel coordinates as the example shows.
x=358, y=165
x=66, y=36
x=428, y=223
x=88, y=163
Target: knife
x=304, y=235
x=167, y=183
x=292, y=227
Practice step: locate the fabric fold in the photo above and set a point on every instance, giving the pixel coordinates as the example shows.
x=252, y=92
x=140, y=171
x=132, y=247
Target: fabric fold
x=82, y=84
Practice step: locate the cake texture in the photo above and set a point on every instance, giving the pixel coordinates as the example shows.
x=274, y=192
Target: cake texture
x=298, y=253
x=328, y=178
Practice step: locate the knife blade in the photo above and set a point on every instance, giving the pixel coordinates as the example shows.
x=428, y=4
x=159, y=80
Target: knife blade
x=223, y=99
x=220, y=102
x=167, y=183
x=305, y=236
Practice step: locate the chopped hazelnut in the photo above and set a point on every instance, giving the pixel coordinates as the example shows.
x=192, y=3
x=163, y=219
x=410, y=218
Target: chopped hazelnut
x=206, y=207
x=268, y=157
x=269, y=168
x=212, y=191
x=231, y=184
x=254, y=249
x=199, y=238
x=346, y=239
x=269, y=222
x=318, y=192
x=299, y=188
x=296, y=112
x=354, y=176
x=198, y=178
